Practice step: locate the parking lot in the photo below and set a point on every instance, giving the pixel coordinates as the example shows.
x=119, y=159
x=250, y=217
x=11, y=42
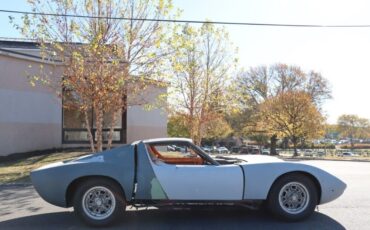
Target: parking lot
x=22, y=208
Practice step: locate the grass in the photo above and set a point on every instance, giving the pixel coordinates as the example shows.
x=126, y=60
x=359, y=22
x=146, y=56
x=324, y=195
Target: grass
x=18, y=171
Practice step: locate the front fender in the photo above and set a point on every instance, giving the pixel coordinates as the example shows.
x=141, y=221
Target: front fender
x=260, y=177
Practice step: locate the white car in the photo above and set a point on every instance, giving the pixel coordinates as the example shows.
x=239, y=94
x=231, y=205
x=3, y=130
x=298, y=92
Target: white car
x=222, y=150
x=206, y=149
x=308, y=153
x=348, y=154
x=174, y=171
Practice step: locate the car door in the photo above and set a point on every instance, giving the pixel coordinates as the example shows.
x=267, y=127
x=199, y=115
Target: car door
x=199, y=182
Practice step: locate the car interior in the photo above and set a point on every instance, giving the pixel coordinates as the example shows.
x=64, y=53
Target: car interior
x=174, y=154
x=183, y=154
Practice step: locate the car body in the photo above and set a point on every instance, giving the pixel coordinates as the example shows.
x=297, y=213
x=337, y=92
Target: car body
x=222, y=150
x=207, y=149
x=308, y=153
x=235, y=149
x=321, y=153
x=249, y=150
x=149, y=172
x=348, y=154
x=265, y=152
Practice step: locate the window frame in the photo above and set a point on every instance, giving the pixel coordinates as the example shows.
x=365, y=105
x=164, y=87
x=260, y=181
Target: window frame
x=122, y=130
x=205, y=157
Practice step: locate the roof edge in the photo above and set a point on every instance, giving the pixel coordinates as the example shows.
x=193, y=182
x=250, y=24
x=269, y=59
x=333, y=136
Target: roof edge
x=167, y=139
x=29, y=57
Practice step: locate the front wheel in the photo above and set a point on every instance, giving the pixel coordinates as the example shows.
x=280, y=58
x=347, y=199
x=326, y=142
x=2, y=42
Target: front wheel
x=98, y=202
x=293, y=197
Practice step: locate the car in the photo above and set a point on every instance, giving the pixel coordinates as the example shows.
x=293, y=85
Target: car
x=206, y=149
x=321, y=154
x=308, y=153
x=175, y=148
x=249, y=150
x=348, y=154
x=148, y=173
x=265, y=152
x=222, y=150
x=235, y=149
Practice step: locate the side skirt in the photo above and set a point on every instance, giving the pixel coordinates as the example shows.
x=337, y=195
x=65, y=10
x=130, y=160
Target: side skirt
x=251, y=204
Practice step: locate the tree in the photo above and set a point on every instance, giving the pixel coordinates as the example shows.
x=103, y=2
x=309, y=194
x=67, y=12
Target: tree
x=256, y=130
x=217, y=128
x=177, y=125
x=261, y=83
x=292, y=114
x=104, y=58
x=331, y=131
x=353, y=126
x=214, y=129
x=201, y=67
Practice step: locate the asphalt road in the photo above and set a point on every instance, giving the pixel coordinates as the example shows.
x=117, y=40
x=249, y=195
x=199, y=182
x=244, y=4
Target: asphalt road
x=22, y=208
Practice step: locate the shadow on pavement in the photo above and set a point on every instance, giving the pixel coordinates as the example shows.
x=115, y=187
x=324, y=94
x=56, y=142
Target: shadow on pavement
x=176, y=219
x=16, y=198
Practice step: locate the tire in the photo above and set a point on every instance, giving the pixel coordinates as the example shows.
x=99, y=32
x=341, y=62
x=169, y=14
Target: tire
x=293, y=197
x=107, y=203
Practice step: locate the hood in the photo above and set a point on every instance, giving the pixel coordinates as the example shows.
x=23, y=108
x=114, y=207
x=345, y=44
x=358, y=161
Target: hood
x=256, y=159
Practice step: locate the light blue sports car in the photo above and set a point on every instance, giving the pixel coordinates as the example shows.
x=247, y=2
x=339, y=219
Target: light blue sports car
x=173, y=171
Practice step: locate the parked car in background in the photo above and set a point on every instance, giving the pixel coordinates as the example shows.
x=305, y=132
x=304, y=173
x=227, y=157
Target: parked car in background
x=235, y=149
x=348, y=154
x=320, y=153
x=265, y=152
x=249, y=150
x=175, y=148
x=206, y=149
x=308, y=153
x=222, y=150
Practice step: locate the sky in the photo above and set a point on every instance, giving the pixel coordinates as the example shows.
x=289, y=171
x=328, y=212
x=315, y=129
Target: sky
x=342, y=55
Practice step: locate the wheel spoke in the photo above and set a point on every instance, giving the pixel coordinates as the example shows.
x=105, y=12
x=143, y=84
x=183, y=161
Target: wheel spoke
x=293, y=197
x=98, y=202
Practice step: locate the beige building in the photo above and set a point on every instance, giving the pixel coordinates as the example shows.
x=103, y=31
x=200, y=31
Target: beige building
x=33, y=118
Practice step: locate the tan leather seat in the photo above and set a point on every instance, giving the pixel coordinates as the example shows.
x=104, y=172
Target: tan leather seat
x=176, y=160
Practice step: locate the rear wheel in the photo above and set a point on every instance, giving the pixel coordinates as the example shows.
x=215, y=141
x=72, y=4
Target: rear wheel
x=99, y=202
x=293, y=197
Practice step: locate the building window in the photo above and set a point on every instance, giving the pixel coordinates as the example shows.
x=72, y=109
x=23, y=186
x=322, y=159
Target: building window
x=74, y=126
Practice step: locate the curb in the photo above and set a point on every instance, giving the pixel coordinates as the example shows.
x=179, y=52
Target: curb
x=15, y=184
x=322, y=159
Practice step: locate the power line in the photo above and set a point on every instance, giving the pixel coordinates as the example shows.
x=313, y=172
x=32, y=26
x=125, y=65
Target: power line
x=186, y=21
